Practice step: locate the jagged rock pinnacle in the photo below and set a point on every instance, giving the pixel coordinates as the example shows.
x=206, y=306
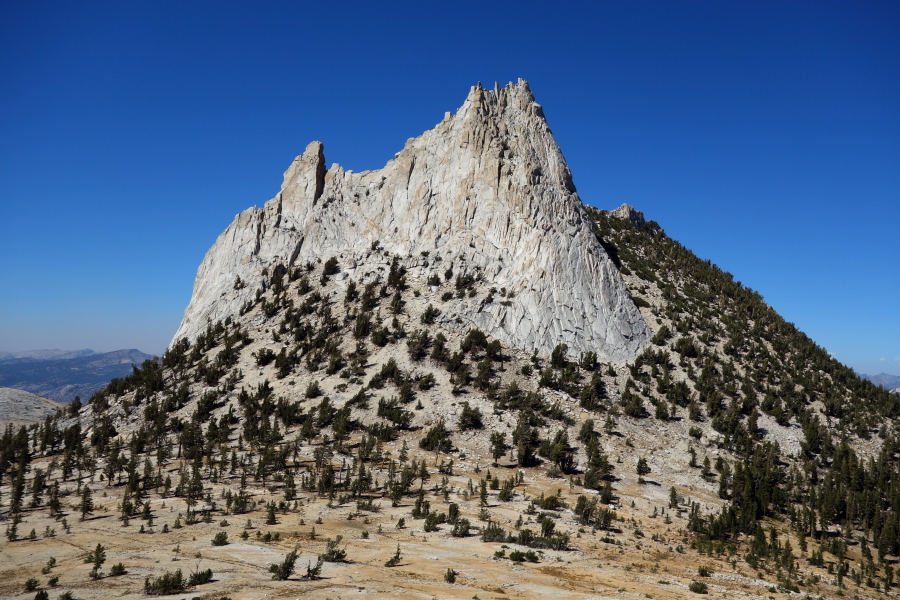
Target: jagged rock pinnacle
x=630, y=214
x=487, y=190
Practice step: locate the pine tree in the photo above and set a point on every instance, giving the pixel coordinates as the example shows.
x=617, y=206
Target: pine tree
x=498, y=445
x=54, y=503
x=87, y=503
x=17, y=491
x=98, y=557
x=12, y=530
x=395, y=559
x=642, y=467
x=285, y=569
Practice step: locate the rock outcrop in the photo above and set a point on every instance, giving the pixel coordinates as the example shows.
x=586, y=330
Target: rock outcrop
x=630, y=214
x=486, y=192
x=18, y=407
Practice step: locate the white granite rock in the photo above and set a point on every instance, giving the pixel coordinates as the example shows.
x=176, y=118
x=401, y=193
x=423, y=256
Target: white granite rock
x=487, y=189
x=628, y=212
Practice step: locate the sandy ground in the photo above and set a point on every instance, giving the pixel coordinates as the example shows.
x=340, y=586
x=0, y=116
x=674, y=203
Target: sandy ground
x=642, y=557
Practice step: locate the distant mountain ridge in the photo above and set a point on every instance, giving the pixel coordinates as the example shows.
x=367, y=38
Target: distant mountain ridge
x=888, y=382
x=61, y=375
x=46, y=354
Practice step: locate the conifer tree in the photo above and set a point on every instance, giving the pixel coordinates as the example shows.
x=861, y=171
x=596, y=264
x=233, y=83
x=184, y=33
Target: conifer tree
x=98, y=557
x=53, y=503
x=87, y=502
x=498, y=445
x=642, y=467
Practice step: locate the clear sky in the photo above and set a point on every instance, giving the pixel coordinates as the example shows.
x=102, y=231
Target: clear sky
x=764, y=136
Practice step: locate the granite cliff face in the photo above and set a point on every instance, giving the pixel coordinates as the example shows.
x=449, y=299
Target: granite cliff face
x=487, y=192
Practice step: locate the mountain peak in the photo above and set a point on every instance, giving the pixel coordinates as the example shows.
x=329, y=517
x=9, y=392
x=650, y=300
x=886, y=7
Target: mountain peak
x=516, y=97
x=486, y=194
x=630, y=214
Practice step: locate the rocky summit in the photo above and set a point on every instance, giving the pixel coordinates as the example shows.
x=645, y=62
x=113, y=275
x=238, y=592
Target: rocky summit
x=486, y=194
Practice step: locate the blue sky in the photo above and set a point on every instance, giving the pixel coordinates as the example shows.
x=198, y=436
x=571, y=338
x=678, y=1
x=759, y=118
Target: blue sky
x=764, y=136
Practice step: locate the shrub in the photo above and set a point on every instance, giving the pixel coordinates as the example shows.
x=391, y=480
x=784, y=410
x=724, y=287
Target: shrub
x=264, y=356
x=331, y=266
x=633, y=406
x=704, y=571
x=220, y=539
x=313, y=572
x=417, y=345
x=558, y=356
x=167, y=583
x=395, y=559
x=698, y=587
x=640, y=302
x=660, y=337
x=200, y=577
x=436, y=440
x=31, y=584
x=554, y=502
x=432, y=520
x=285, y=569
x=588, y=360
x=685, y=347
x=450, y=576
x=470, y=418
x=429, y=315
x=333, y=551
x=117, y=569
x=662, y=411
x=642, y=467
x=427, y=382
x=461, y=528
x=313, y=390
x=492, y=532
